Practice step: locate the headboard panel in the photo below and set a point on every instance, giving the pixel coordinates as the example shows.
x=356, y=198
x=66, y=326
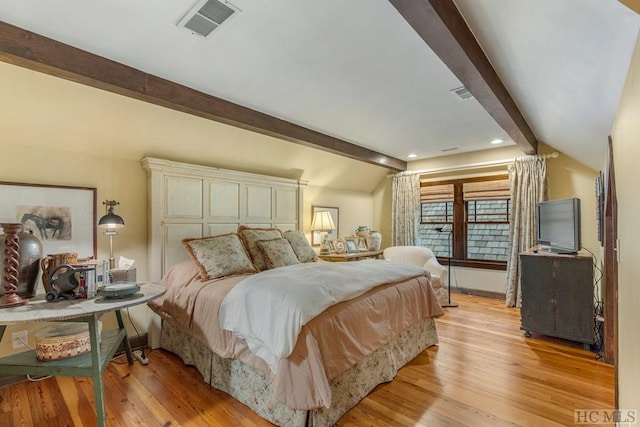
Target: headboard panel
x=188, y=200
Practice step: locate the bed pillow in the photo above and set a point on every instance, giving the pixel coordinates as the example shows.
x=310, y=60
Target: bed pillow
x=277, y=253
x=300, y=246
x=219, y=256
x=251, y=237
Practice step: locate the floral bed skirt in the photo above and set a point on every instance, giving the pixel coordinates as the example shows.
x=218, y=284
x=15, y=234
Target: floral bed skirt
x=253, y=387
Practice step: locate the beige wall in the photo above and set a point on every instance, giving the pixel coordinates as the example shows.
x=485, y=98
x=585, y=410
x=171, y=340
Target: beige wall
x=57, y=132
x=382, y=210
x=626, y=152
x=40, y=110
x=477, y=163
x=569, y=178
x=354, y=208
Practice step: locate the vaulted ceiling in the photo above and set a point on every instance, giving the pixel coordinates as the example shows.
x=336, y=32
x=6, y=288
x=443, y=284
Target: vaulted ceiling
x=370, y=79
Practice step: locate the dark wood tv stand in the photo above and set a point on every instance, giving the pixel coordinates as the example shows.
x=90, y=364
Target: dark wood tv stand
x=557, y=295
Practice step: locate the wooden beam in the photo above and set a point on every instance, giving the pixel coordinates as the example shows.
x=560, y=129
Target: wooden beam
x=632, y=4
x=35, y=52
x=440, y=25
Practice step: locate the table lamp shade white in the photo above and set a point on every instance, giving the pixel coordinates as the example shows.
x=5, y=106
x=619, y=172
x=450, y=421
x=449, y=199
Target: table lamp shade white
x=323, y=223
x=111, y=222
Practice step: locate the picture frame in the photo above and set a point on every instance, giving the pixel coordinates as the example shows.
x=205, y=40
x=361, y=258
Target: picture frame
x=62, y=217
x=333, y=234
x=331, y=247
x=340, y=246
x=352, y=244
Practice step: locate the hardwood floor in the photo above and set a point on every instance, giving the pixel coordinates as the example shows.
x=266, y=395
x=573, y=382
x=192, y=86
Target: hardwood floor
x=483, y=373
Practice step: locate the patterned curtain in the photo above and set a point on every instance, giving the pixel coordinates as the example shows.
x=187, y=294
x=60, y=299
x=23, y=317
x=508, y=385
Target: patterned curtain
x=405, y=214
x=527, y=182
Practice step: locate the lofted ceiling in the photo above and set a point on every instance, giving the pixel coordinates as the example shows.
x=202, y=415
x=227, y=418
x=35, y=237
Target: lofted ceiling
x=363, y=73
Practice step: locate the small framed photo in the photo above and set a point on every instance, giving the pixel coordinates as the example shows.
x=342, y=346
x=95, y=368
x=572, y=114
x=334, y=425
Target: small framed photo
x=331, y=248
x=339, y=245
x=352, y=244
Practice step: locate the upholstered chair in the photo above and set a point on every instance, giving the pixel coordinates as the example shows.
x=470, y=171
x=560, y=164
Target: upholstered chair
x=424, y=258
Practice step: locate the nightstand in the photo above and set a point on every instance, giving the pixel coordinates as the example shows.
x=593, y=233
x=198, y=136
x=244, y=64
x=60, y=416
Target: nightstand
x=350, y=256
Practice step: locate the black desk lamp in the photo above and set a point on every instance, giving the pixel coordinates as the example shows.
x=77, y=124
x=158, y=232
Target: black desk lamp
x=111, y=222
x=449, y=302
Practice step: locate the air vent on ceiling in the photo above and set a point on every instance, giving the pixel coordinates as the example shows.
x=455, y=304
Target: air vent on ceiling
x=462, y=92
x=444, y=150
x=207, y=15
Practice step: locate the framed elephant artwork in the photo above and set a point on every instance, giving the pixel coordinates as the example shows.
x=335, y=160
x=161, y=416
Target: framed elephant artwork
x=63, y=218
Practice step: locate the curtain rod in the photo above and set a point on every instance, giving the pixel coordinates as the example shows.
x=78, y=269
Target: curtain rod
x=479, y=165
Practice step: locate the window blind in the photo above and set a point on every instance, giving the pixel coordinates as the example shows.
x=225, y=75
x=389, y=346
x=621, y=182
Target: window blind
x=436, y=193
x=486, y=190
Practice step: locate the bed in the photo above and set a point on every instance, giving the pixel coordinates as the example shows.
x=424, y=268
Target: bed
x=297, y=340
x=338, y=354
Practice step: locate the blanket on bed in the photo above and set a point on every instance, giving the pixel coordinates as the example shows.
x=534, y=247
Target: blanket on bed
x=329, y=344
x=268, y=310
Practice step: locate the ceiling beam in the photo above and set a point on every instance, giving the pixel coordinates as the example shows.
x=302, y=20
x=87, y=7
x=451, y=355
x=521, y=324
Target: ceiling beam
x=36, y=52
x=632, y=4
x=440, y=25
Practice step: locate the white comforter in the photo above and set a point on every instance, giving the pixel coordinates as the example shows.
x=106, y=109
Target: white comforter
x=268, y=309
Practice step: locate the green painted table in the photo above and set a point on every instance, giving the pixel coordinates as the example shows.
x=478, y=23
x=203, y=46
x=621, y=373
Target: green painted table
x=81, y=310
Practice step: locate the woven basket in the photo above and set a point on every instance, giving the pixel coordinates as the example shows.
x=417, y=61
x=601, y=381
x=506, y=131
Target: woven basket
x=63, y=340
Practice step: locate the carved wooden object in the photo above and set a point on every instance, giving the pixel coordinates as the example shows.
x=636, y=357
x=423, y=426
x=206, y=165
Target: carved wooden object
x=11, y=265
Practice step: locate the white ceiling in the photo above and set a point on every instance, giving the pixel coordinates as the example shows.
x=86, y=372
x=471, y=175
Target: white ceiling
x=357, y=71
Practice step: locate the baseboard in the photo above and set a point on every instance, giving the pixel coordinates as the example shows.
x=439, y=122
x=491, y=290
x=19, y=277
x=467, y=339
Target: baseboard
x=479, y=293
x=136, y=342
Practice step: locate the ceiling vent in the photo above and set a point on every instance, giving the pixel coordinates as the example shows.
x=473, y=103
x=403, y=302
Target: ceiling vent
x=462, y=93
x=207, y=15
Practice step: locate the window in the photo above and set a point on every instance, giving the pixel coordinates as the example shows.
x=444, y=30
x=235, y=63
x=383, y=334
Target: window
x=467, y=219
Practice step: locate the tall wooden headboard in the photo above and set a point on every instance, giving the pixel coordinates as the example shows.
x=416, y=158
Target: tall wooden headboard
x=188, y=200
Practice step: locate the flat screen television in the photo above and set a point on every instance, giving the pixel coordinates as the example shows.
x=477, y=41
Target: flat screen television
x=559, y=228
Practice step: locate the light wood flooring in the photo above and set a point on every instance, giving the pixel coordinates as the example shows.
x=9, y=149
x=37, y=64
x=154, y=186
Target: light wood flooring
x=483, y=373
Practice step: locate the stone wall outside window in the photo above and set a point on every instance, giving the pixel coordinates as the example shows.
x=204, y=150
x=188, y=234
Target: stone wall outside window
x=484, y=241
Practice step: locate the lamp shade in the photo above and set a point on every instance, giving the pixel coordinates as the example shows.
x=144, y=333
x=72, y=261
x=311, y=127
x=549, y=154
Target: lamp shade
x=110, y=220
x=322, y=221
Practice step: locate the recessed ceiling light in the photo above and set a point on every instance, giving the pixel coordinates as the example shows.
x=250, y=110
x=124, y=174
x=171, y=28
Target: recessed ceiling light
x=412, y=155
x=497, y=141
x=382, y=160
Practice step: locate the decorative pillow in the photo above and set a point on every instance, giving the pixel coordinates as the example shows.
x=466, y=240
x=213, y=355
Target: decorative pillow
x=219, y=256
x=251, y=237
x=277, y=253
x=301, y=246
